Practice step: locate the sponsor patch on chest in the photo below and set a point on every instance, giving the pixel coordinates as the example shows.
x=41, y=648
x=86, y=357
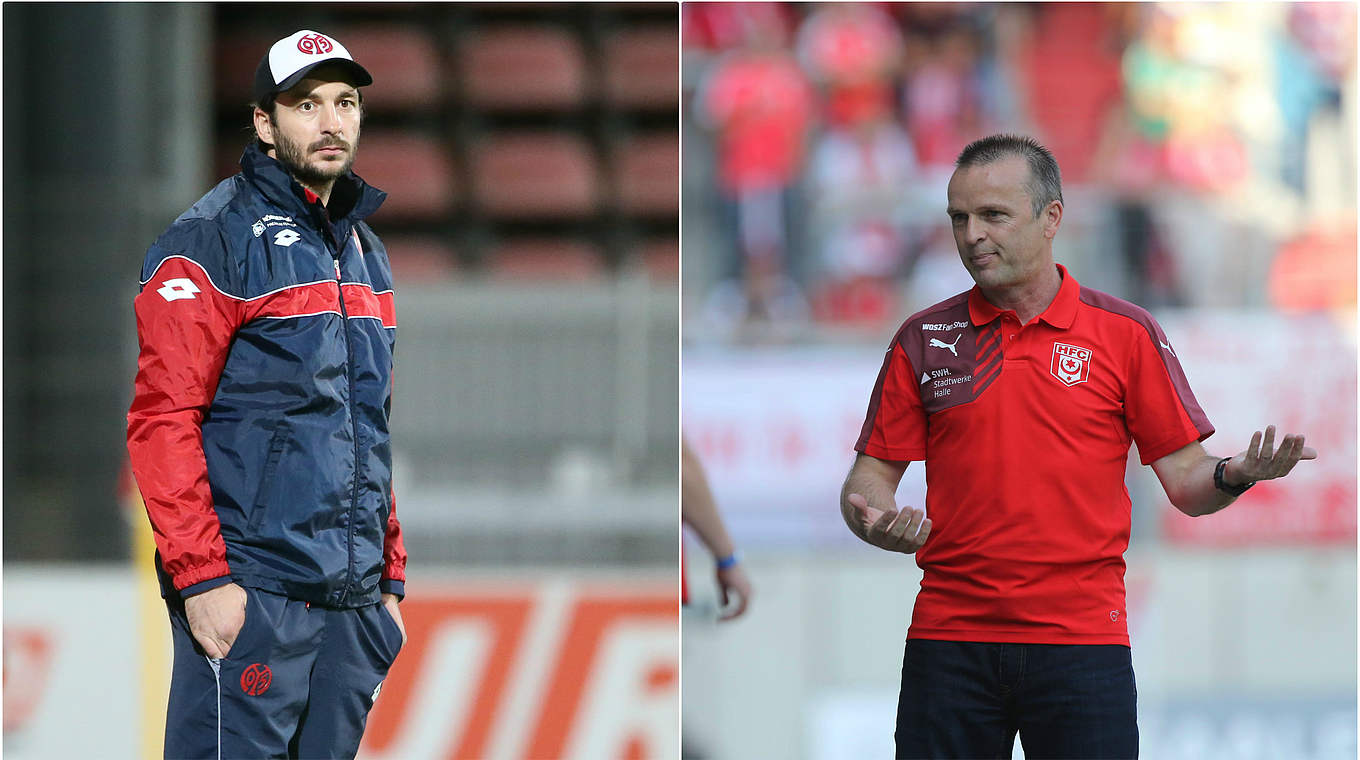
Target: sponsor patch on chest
x=948, y=362
x=1071, y=364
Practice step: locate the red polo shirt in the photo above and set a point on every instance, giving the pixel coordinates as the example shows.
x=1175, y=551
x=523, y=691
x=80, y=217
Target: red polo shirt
x=1025, y=433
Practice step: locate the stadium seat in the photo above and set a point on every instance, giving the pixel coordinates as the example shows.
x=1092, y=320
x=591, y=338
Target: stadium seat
x=661, y=259
x=388, y=7
x=522, y=68
x=647, y=175
x=403, y=61
x=539, y=174
x=493, y=8
x=549, y=260
x=642, y=68
x=641, y=7
x=420, y=259
x=415, y=171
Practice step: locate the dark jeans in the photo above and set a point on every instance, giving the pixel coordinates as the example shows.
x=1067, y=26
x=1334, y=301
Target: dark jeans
x=966, y=700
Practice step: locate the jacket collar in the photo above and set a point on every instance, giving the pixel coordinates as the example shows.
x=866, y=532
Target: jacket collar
x=352, y=199
x=1059, y=314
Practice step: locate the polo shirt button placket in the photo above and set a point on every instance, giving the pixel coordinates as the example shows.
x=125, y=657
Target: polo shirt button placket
x=1010, y=327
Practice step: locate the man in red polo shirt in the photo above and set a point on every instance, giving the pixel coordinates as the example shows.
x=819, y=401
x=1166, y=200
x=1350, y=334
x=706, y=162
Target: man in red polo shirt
x=1022, y=396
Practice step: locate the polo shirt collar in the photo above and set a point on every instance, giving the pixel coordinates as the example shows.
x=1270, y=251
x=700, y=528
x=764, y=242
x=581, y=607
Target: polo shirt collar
x=1059, y=314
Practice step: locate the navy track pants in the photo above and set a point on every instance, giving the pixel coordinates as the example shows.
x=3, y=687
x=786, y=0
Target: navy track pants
x=298, y=682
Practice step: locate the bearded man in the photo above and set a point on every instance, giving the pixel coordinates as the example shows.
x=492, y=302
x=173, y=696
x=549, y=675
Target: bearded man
x=258, y=433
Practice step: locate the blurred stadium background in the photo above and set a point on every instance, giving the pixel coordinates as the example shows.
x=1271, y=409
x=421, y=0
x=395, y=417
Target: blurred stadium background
x=1208, y=152
x=530, y=153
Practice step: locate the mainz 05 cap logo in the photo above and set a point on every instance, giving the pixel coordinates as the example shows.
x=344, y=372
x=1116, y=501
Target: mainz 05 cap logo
x=314, y=44
x=1071, y=364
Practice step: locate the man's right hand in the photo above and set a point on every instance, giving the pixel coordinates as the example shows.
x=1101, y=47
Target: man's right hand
x=215, y=618
x=904, y=531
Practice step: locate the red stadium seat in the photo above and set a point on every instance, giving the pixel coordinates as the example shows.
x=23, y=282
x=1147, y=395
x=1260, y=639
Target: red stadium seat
x=549, y=260
x=530, y=175
x=415, y=171
x=501, y=8
x=387, y=7
x=648, y=7
x=403, y=61
x=420, y=259
x=642, y=68
x=522, y=68
x=647, y=178
x=661, y=259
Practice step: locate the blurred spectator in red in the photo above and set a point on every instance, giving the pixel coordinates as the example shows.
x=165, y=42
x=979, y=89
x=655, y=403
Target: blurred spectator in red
x=941, y=94
x=853, y=51
x=759, y=104
x=716, y=27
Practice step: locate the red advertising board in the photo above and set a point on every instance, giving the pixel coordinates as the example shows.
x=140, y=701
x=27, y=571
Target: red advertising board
x=544, y=670
x=28, y=660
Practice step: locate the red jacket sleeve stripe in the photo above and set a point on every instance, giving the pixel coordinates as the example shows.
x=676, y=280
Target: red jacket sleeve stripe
x=394, y=550
x=184, y=329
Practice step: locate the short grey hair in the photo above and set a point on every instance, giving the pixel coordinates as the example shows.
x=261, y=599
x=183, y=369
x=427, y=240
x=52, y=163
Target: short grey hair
x=1045, y=180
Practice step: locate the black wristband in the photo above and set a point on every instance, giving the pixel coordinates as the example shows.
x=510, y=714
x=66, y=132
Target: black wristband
x=1224, y=487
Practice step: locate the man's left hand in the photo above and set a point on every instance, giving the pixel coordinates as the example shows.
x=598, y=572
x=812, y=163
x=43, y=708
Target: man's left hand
x=1262, y=461
x=735, y=589
x=390, y=602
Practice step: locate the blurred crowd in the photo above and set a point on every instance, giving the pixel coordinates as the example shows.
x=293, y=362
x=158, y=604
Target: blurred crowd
x=1207, y=151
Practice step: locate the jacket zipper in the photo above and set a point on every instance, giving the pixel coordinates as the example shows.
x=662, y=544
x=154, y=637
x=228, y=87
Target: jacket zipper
x=354, y=421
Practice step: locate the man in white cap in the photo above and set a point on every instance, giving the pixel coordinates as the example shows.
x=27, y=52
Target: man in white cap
x=258, y=432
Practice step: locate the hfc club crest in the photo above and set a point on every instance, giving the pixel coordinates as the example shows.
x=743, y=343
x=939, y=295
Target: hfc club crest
x=1071, y=364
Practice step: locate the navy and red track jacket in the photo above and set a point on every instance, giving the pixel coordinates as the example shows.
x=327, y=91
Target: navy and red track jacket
x=258, y=432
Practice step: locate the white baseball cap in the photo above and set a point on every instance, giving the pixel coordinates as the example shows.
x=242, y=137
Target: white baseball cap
x=291, y=58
